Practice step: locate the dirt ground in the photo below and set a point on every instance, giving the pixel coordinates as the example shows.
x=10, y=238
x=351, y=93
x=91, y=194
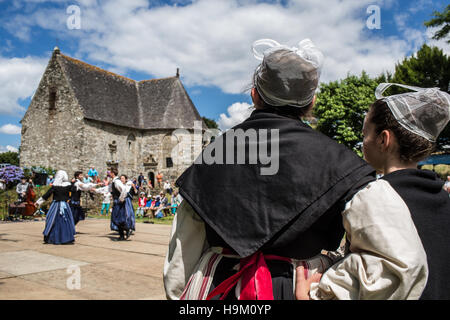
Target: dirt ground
x=96, y=266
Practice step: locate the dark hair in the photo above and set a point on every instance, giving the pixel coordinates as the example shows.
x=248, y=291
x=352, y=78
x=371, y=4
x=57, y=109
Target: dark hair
x=411, y=147
x=77, y=173
x=288, y=111
x=115, y=171
x=123, y=175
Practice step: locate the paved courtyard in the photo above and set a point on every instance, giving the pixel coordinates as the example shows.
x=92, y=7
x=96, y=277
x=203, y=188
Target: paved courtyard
x=108, y=269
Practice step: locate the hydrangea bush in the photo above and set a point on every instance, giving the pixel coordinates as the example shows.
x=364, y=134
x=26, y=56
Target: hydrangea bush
x=11, y=174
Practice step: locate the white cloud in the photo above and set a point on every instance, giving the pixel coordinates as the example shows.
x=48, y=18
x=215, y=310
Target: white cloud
x=237, y=113
x=8, y=148
x=10, y=129
x=417, y=37
x=19, y=78
x=210, y=39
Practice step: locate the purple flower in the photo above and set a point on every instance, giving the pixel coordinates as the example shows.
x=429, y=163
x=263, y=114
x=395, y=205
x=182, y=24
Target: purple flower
x=11, y=174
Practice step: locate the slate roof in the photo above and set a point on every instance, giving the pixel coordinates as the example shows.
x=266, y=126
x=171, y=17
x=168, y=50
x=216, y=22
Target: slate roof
x=108, y=97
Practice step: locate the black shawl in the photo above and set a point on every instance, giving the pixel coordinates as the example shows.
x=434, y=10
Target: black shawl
x=429, y=205
x=249, y=210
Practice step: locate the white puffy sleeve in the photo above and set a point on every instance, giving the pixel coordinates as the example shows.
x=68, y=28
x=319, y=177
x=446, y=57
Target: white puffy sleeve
x=122, y=188
x=84, y=186
x=103, y=190
x=40, y=201
x=386, y=260
x=187, y=243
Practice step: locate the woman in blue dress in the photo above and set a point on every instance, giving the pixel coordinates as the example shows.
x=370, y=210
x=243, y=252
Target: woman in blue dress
x=121, y=215
x=131, y=191
x=59, y=224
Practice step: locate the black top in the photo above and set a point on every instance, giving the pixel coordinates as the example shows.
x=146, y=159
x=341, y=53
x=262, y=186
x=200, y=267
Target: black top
x=429, y=205
x=114, y=192
x=295, y=212
x=132, y=193
x=75, y=194
x=59, y=193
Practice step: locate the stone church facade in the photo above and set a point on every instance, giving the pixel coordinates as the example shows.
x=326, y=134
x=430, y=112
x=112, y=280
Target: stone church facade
x=82, y=116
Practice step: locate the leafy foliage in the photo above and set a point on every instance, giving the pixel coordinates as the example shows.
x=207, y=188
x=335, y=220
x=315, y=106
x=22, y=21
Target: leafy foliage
x=341, y=107
x=440, y=19
x=10, y=157
x=210, y=123
x=38, y=169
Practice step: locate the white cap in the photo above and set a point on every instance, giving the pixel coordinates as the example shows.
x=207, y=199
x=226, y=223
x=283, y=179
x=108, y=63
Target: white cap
x=287, y=76
x=424, y=112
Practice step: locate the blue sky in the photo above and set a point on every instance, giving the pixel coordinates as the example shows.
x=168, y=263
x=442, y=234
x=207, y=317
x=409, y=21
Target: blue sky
x=209, y=40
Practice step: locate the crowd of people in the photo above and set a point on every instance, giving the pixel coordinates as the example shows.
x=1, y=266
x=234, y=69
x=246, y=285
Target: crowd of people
x=66, y=210
x=151, y=203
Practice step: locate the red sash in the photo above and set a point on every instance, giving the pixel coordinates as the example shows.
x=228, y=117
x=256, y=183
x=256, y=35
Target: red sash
x=256, y=281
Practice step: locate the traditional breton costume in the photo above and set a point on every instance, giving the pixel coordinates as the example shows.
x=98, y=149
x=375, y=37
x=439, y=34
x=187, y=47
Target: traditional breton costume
x=59, y=224
x=397, y=227
x=129, y=205
x=403, y=218
x=121, y=220
x=75, y=199
x=249, y=246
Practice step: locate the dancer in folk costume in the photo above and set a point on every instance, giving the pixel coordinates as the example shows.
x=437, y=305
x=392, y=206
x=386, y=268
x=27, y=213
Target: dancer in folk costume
x=248, y=248
x=120, y=216
x=131, y=192
x=59, y=224
x=397, y=226
x=77, y=187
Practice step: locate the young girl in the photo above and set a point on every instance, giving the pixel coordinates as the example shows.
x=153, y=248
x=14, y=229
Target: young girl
x=142, y=203
x=106, y=202
x=397, y=227
x=59, y=224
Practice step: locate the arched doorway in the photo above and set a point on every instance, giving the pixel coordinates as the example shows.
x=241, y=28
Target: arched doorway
x=151, y=178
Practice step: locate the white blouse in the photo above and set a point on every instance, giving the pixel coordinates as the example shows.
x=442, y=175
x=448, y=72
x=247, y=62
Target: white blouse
x=386, y=259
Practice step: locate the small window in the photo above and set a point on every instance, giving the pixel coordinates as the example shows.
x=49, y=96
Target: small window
x=169, y=163
x=52, y=99
x=131, y=138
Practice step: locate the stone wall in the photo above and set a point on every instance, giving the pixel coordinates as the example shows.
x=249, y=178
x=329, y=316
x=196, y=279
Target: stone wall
x=53, y=138
x=135, y=151
x=61, y=138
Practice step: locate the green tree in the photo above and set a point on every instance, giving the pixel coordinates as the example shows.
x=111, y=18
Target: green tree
x=210, y=123
x=10, y=157
x=341, y=107
x=428, y=67
x=440, y=19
